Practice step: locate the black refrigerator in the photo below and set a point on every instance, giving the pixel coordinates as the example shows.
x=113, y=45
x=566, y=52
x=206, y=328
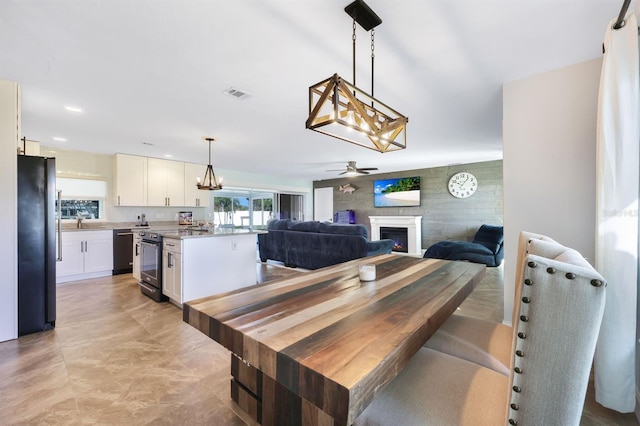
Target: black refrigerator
x=36, y=244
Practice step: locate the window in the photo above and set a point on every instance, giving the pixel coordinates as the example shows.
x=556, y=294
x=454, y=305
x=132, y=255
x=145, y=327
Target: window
x=242, y=209
x=262, y=211
x=82, y=197
x=88, y=209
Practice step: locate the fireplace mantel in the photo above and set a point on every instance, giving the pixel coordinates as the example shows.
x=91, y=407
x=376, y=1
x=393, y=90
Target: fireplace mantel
x=412, y=223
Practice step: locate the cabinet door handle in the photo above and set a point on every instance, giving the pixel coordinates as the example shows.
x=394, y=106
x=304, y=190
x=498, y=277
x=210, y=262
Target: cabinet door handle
x=137, y=247
x=169, y=260
x=118, y=200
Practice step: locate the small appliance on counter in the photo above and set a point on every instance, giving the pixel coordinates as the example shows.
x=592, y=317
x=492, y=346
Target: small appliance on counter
x=185, y=218
x=142, y=220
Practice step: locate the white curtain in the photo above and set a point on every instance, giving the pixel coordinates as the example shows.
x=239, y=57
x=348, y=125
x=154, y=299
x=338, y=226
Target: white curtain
x=617, y=215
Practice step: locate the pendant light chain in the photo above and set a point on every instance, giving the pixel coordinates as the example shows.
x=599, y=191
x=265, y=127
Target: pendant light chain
x=373, y=55
x=353, y=38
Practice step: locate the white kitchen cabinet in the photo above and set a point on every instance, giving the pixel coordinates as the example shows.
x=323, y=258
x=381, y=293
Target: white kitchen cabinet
x=172, y=269
x=72, y=256
x=194, y=197
x=130, y=178
x=217, y=264
x=165, y=182
x=85, y=254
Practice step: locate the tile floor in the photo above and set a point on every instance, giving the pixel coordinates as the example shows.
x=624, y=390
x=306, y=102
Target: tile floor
x=117, y=357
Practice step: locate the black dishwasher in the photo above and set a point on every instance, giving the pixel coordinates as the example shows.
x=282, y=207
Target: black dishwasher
x=122, y=251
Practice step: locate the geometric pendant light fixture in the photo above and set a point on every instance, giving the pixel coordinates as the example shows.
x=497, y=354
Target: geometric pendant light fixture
x=340, y=109
x=209, y=181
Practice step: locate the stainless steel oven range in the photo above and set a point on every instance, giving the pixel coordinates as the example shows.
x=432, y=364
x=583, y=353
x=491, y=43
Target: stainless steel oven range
x=151, y=266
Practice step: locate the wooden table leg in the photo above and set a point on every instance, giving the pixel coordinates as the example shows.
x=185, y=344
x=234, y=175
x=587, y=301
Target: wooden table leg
x=269, y=403
x=246, y=388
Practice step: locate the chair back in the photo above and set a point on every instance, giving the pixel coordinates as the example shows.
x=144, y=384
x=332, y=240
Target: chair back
x=524, y=240
x=559, y=312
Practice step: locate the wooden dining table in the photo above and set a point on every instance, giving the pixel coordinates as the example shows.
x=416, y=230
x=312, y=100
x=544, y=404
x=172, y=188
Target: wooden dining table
x=316, y=348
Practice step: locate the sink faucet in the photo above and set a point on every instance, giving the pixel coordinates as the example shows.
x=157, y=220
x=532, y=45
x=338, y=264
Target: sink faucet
x=79, y=218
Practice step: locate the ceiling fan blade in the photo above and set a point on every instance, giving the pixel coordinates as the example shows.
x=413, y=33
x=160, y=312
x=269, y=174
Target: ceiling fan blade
x=368, y=168
x=342, y=173
x=362, y=172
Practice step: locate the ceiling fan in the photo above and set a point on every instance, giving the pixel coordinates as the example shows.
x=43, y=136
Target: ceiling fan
x=353, y=170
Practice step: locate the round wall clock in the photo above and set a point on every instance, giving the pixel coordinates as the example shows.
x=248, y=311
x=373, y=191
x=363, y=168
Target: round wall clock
x=463, y=185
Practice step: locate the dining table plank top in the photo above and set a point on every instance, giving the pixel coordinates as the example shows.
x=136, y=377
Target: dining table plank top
x=330, y=338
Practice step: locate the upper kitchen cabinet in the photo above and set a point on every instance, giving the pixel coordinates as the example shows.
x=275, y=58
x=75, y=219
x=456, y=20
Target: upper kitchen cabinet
x=130, y=180
x=194, y=197
x=165, y=182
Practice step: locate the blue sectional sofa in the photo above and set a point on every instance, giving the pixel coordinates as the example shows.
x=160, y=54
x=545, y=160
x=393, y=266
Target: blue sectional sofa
x=313, y=245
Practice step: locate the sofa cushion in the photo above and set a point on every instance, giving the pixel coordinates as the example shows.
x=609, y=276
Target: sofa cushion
x=313, y=250
x=345, y=229
x=309, y=226
x=278, y=224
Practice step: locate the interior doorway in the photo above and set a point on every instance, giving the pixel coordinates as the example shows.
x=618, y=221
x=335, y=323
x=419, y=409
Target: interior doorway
x=323, y=204
x=290, y=206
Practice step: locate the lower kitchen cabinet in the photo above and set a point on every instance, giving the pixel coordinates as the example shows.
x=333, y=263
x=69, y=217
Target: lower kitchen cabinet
x=85, y=254
x=172, y=269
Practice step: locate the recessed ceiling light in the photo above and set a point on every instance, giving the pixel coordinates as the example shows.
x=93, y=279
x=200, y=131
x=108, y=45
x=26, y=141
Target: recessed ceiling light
x=168, y=156
x=73, y=108
x=59, y=139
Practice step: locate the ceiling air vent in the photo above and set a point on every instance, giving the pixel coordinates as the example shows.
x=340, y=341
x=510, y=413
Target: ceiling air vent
x=238, y=94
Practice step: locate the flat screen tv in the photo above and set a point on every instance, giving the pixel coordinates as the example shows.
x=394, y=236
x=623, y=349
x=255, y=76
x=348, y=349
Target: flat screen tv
x=398, y=192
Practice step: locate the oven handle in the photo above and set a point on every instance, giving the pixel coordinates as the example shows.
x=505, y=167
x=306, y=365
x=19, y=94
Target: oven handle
x=146, y=243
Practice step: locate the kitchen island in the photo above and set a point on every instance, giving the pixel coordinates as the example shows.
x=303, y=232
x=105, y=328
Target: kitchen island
x=200, y=263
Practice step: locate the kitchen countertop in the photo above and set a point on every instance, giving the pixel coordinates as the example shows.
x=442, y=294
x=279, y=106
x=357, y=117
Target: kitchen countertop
x=182, y=234
x=108, y=226
x=166, y=229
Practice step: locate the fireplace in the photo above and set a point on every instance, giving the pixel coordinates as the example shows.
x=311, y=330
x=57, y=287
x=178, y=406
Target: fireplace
x=413, y=231
x=398, y=235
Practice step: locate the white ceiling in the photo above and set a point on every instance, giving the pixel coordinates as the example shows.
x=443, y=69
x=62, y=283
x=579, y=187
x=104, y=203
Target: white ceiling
x=154, y=71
